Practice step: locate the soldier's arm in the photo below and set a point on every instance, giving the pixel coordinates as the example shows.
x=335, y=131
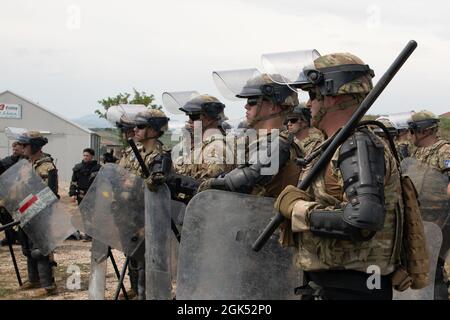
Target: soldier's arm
x=73, y=189
x=52, y=181
x=243, y=178
x=362, y=165
x=444, y=163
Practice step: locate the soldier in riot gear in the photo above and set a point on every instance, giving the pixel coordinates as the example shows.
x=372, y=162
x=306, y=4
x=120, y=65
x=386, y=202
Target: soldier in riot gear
x=353, y=210
x=149, y=126
x=267, y=105
x=431, y=149
x=434, y=152
x=40, y=267
x=206, y=158
x=5, y=217
x=298, y=123
x=400, y=136
x=201, y=153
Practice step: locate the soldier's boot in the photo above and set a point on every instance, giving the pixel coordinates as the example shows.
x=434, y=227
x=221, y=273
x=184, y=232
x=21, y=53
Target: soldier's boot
x=33, y=275
x=133, y=274
x=45, y=267
x=141, y=283
x=440, y=285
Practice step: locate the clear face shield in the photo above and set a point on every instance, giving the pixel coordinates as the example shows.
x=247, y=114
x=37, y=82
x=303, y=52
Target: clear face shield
x=175, y=100
x=400, y=120
x=128, y=112
x=237, y=84
x=13, y=133
x=290, y=66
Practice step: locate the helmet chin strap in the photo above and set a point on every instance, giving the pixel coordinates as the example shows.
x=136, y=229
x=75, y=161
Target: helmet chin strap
x=424, y=137
x=258, y=118
x=146, y=138
x=320, y=115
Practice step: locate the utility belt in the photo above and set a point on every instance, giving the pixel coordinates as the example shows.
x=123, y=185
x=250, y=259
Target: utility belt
x=342, y=284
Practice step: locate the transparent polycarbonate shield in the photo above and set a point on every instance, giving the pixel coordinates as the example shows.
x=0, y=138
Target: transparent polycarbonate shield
x=431, y=186
x=232, y=83
x=433, y=237
x=42, y=217
x=158, y=233
x=113, y=209
x=97, y=277
x=129, y=111
x=289, y=65
x=173, y=101
x=13, y=133
x=216, y=260
x=400, y=120
x=177, y=209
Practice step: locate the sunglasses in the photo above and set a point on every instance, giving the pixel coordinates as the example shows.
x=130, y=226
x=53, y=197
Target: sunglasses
x=293, y=120
x=252, y=101
x=312, y=95
x=194, y=117
x=141, y=126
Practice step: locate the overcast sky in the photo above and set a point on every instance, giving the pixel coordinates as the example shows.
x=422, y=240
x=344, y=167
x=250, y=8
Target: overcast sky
x=66, y=55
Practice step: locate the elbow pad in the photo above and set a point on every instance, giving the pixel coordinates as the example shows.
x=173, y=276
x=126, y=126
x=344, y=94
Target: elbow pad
x=361, y=162
x=162, y=163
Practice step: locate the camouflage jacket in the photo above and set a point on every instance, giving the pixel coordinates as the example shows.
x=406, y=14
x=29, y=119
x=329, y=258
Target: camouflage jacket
x=206, y=160
x=46, y=169
x=437, y=155
x=327, y=191
x=311, y=142
x=128, y=158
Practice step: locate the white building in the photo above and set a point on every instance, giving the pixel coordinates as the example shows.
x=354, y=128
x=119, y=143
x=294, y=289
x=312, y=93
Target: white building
x=66, y=140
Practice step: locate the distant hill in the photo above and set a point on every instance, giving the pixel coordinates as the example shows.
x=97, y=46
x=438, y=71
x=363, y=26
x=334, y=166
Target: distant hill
x=92, y=121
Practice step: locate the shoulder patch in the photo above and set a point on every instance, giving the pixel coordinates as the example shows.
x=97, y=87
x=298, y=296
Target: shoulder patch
x=447, y=163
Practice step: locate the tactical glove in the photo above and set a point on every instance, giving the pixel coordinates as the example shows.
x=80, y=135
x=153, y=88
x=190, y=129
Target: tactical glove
x=154, y=181
x=288, y=198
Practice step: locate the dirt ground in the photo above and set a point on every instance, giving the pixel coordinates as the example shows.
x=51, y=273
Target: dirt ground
x=69, y=256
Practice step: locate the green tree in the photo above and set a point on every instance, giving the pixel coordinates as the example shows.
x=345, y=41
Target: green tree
x=136, y=97
x=127, y=98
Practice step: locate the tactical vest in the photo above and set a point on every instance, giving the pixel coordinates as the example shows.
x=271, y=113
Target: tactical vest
x=434, y=155
x=383, y=250
x=200, y=165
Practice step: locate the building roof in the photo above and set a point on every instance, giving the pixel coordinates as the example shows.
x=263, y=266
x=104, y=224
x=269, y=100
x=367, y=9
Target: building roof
x=445, y=115
x=37, y=105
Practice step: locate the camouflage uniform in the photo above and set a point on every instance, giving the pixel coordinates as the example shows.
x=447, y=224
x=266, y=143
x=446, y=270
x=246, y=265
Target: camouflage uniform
x=40, y=267
x=128, y=158
x=208, y=161
x=150, y=157
x=437, y=155
x=335, y=263
x=208, y=158
x=311, y=142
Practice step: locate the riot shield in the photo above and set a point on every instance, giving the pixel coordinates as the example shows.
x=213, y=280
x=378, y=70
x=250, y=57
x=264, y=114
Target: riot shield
x=177, y=209
x=97, y=278
x=112, y=209
x=158, y=282
x=431, y=186
x=30, y=201
x=433, y=236
x=216, y=260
